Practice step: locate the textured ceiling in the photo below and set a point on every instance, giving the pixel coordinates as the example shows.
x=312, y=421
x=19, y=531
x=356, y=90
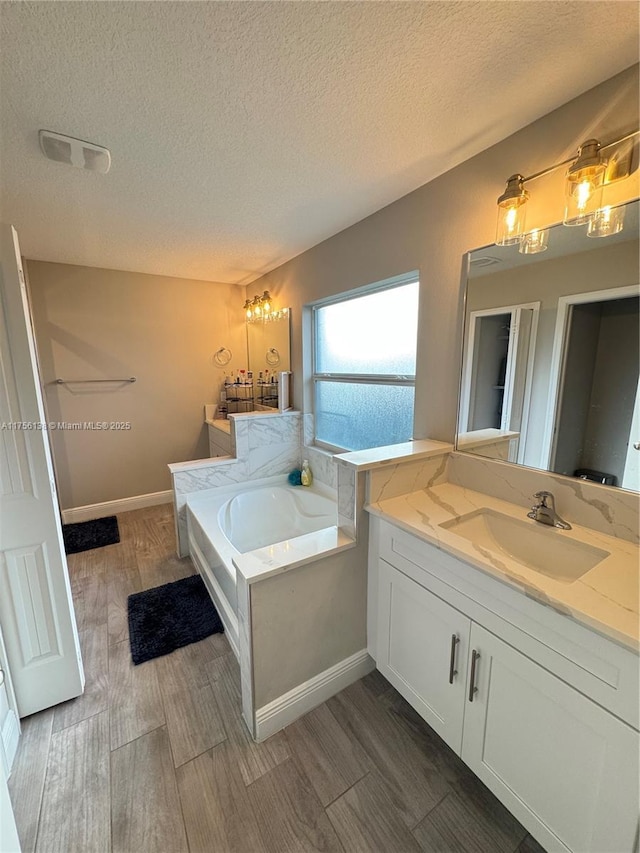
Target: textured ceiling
x=243, y=133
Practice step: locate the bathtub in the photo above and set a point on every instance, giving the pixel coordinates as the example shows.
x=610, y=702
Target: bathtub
x=226, y=522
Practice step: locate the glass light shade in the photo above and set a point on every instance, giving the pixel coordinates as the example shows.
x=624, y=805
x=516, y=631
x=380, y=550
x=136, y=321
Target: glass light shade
x=582, y=198
x=606, y=221
x=511, y=212
x=535, y=241
x=248, y=313
x=510, y=227
x=583, y=187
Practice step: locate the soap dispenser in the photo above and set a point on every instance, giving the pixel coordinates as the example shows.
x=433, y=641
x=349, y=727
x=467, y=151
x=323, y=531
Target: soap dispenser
x=306, y=476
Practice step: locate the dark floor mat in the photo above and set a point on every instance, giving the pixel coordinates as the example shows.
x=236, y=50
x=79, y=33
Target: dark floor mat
x=170, y=616
x=85, y=535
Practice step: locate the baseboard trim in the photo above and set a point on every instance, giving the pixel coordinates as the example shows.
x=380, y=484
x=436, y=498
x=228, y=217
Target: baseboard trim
x=86, y=513
x=10, y=736
x=307, y=696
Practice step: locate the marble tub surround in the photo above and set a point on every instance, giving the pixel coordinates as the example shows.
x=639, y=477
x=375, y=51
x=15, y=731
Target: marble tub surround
x=308, y=429
x=285, y=556
x=615, y=512
x=323, y=465
x=265, y=445
x=348, y=499
x=604, y=599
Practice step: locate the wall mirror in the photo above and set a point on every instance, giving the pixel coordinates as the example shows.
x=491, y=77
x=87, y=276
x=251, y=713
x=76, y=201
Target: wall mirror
x=550, y=355
x=269, y=345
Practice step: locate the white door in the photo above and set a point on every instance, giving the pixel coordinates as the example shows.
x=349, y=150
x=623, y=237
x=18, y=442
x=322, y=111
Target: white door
x=533, y=739
x=9, y=722
x=36, y=610
x=423, y=651
x=9, y=842
x=631, y=476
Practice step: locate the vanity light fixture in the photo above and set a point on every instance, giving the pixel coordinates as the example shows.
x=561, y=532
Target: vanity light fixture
x=260, y=308
x=586, y=178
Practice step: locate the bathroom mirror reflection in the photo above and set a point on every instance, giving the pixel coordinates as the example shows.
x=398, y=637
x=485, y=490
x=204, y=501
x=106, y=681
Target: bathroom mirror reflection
x=268, y=345
x=550, y=376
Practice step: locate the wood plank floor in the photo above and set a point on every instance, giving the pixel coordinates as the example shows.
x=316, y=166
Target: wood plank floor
x=156, y=759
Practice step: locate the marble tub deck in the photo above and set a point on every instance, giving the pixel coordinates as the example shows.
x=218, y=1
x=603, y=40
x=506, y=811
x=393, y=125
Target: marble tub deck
x=604, y=599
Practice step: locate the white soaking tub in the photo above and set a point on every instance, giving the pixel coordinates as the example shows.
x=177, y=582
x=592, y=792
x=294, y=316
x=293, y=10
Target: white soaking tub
x=226, y=522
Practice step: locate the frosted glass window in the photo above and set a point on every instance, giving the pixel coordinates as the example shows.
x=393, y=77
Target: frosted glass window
x=357, y=415
x=371, y=334
x=365, y=364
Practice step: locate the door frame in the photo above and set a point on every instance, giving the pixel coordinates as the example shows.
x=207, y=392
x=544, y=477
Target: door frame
x=558, y=358
x=466, y=386
x=632, y=461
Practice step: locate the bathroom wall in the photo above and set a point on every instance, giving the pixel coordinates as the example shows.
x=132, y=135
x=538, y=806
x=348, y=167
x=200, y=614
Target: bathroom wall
x=431, y=228
x=95, y=323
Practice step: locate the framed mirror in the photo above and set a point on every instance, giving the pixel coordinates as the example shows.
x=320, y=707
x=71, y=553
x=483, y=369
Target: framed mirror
x=550, y=375
x=269, y=345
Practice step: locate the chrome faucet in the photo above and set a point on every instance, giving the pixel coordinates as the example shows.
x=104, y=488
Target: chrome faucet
x=546, y=513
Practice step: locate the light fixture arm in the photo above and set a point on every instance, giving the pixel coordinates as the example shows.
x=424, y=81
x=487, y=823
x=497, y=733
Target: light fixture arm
x=566, y=162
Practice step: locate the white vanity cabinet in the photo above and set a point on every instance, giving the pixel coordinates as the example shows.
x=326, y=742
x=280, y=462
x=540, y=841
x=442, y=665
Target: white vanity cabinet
x=219, y=441
x=425, y=656
x=512, y=692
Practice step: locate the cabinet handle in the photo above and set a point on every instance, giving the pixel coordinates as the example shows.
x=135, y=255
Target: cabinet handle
x=475, y=657
x=455, y=639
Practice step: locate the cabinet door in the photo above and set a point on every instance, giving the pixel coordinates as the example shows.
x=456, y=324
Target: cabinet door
x=567, y=769
x=422, y=651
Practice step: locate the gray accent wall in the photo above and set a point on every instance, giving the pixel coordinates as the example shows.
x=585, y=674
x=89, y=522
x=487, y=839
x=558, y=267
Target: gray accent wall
x=430, y=229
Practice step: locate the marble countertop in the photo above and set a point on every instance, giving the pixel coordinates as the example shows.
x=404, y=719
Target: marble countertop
x=407, y=451
x=299, y=551
x=479, y=437
x=604, y=599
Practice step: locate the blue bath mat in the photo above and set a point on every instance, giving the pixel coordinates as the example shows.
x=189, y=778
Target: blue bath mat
x=170, y=616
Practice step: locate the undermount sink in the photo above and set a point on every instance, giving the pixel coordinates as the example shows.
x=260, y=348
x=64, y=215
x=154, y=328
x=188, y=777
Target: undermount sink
x=545, y=549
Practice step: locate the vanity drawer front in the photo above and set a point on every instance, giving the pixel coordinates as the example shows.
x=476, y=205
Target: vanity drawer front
x=596, y=666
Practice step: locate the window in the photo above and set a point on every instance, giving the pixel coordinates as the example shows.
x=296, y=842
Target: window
x=365, y=365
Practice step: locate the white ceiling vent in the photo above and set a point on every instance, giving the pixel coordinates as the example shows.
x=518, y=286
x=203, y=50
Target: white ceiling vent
x=75, y=152
x=483, y=261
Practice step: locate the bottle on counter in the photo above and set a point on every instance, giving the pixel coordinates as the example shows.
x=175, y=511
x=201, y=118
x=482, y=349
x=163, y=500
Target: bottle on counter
x=306, y=476
x=222, y=405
